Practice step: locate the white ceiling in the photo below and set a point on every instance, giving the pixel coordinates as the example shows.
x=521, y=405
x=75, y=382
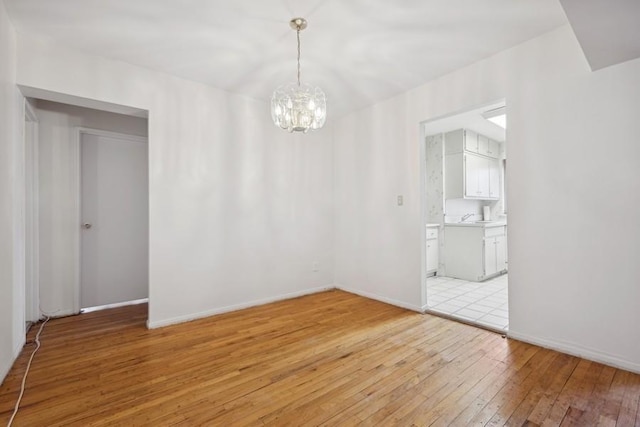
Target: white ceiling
x=471, y=119
x=608, y=30
x=359, y=52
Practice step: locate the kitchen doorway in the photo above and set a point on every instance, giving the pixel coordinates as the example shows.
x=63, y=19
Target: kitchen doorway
x=465, y=216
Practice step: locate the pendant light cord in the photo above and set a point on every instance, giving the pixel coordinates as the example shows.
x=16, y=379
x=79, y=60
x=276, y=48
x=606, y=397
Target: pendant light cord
x=298, y=35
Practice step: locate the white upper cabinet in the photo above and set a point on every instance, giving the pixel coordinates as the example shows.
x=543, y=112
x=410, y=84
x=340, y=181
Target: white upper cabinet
x=488, y=147
x=461, y=140
x=476, y=183
x=471, y=174
x=483, y=145
x=470, y=140
x=494, y=149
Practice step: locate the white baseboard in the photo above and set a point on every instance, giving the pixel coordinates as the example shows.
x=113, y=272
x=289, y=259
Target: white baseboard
x=58, y=313
x=220, y=310
x=382, y=299
x=114, y=305
x=579, y=351
x=4, y=370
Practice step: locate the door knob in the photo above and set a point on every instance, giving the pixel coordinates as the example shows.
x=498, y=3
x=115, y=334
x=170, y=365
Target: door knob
x=86, y=226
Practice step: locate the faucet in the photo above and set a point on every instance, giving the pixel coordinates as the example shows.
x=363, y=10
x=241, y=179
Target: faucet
x=465, y=217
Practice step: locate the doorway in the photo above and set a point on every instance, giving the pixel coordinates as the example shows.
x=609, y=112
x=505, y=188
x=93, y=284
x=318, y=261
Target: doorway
x=114, y=209
x=465, y=216
x=58, y=175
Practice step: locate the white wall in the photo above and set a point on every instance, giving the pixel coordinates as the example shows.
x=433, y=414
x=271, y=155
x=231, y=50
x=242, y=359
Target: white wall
x=239, y=210
x=573, y=140
x=11, y=203
x=58, y=125
x=377, y=243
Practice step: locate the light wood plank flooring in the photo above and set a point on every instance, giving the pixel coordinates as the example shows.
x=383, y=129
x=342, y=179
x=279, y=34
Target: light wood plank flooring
x=327, y=359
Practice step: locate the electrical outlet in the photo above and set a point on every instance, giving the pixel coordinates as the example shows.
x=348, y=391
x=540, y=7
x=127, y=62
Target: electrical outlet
x=315, y=266
x=400, y=200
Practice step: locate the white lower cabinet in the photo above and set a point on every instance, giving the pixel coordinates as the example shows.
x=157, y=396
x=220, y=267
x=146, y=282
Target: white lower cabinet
x=433, y=248
x=495, y=251
x=475, y=253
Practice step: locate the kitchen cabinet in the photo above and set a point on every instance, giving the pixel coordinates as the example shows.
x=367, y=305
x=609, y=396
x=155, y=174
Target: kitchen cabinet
x=467, y=140
x=488, y=147
x=471, y=174
x=506, y=252
x=470, y=141
x=433, y=249
x=475, y=252
x=461, y=140
x=483, y=145
x=495, y=252
x=476, y=173
x=494, y=149
x=494, y=179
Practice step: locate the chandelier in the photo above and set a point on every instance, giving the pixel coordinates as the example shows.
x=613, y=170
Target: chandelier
x=298, y=107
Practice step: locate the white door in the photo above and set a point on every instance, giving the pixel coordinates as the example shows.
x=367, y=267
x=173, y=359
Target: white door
x=115, y=219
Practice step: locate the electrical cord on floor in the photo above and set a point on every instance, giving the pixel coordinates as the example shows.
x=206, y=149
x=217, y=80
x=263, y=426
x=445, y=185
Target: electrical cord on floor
x=24, y=378
x=48, y=314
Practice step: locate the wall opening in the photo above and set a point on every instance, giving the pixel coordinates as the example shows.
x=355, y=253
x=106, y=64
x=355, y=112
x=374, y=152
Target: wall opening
x=464, y=216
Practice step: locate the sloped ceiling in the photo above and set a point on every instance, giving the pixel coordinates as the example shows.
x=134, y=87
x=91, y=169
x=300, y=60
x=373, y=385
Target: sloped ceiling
x=608, y=30
x=360, y=52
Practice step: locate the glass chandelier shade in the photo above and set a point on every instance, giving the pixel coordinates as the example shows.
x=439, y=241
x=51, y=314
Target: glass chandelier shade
x=298, y=107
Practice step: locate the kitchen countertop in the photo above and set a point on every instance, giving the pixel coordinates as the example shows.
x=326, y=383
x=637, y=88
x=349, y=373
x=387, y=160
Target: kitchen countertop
x=482, y=224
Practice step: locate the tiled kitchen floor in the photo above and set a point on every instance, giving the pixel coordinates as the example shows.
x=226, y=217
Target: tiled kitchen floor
x=485, y=303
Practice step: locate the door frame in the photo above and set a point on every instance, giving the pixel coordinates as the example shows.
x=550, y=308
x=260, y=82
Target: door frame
x=422, y=134
x=77, y=209
x=31, y=214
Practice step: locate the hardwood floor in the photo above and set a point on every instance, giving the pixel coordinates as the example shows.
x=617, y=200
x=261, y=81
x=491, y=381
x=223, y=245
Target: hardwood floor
x=327, y=359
